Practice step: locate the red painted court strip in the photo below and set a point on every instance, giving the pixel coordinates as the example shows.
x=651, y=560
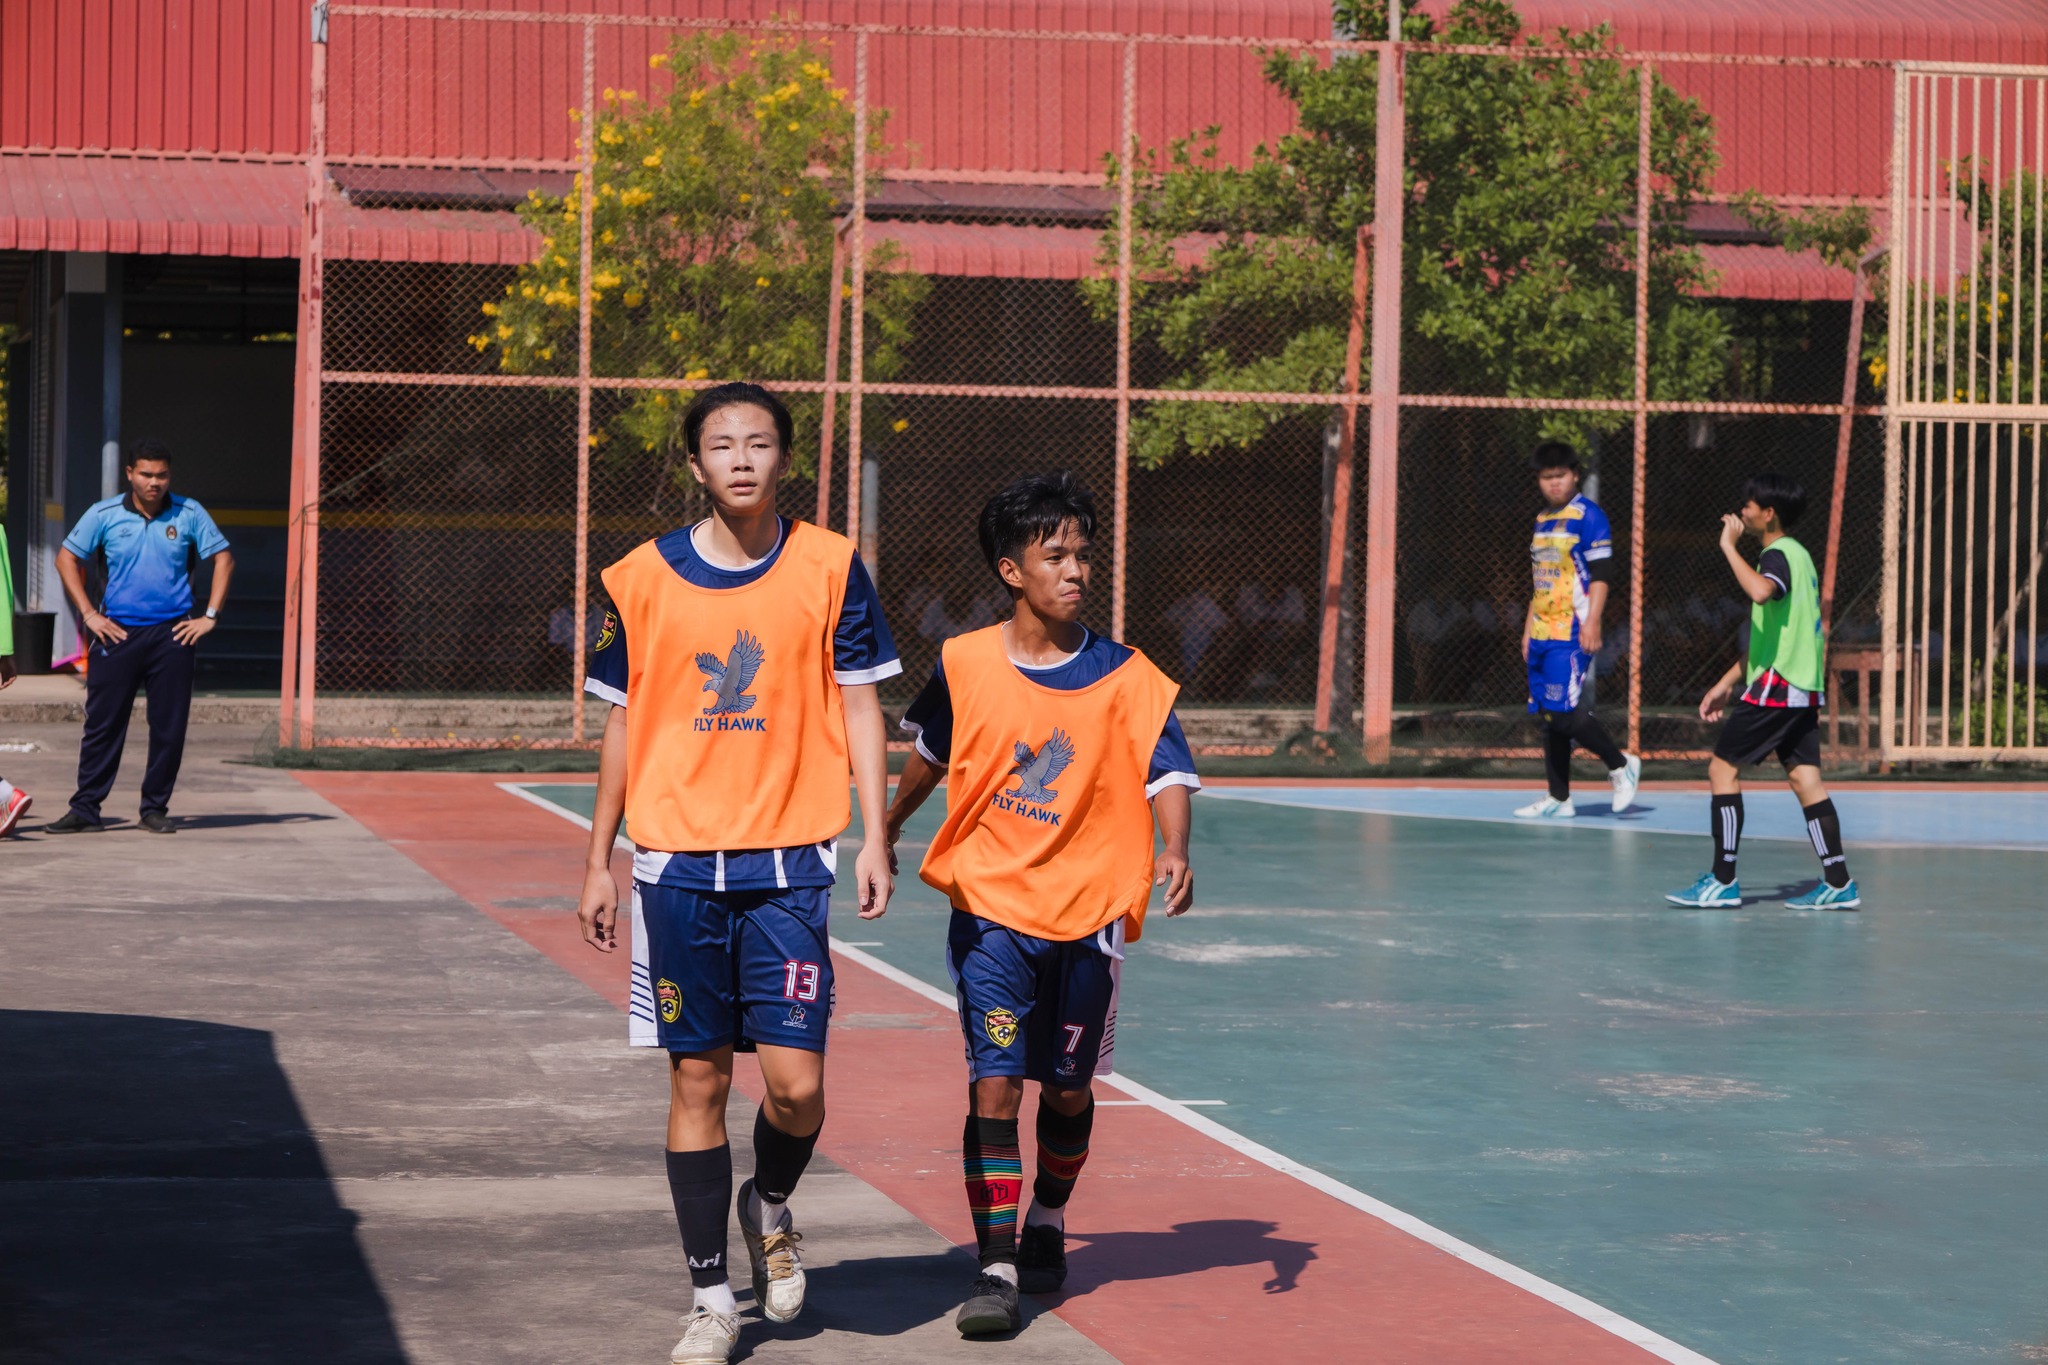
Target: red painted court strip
x=1181, y=1249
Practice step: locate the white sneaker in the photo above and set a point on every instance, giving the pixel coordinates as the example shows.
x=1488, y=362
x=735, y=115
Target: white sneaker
x=1625, y=779
x=778, y=1269
x=708, y=1338
x=12, y=809
x=1548, y=808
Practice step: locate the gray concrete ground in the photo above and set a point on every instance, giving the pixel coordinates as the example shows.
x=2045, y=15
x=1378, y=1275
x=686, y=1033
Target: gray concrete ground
x=269, y=1092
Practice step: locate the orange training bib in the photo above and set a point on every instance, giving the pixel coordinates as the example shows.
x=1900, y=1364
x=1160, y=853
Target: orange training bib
x=736, y=732
x=1048, y=830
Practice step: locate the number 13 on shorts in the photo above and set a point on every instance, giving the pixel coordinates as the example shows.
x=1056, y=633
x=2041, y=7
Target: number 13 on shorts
x=800, y=981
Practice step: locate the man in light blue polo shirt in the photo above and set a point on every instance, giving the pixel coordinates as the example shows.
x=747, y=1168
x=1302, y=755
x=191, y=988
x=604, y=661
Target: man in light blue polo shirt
x=143, y=631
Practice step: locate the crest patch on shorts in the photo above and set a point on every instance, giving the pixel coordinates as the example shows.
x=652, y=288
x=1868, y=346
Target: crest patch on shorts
x=1001, y=1026
x=670, y=999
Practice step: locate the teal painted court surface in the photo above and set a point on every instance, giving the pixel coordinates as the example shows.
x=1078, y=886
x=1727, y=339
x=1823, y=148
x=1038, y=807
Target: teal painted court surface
x=1768, y=1135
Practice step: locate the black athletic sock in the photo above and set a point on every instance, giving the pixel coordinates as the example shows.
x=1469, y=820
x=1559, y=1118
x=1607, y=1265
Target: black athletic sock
x=1727, y=823
x=1824, y=827
x=1062, y=1152
x=779, y=1158
x=1557, y=758
x=1593, y=737
x=994, y=1168
x=700, y=1184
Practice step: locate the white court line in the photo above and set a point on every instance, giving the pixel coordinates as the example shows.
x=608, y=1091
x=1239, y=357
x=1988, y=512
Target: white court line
x=1577, y=1305
x=519, y=790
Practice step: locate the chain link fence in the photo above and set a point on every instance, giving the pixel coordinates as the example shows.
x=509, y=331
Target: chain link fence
x=498, y=361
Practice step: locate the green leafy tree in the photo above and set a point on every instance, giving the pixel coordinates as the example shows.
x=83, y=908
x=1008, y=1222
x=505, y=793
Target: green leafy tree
x=713, y=221
x=1518, y=249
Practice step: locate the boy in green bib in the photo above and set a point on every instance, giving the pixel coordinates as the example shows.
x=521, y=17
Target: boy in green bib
x=1778, y=712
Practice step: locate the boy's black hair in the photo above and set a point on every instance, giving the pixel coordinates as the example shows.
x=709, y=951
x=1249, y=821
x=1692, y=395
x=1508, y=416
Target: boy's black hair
x=1031, y=509
x=1780, y=492
x=709, y=401
x=1555, y=455
x=148, y=448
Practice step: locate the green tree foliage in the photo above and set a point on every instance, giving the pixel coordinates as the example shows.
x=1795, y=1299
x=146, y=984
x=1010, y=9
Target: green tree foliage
x=1518, y=247
x=713, y=226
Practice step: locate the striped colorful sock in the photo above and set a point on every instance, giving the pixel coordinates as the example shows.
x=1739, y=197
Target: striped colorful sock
x=1062, y=1152
x=994, y=1169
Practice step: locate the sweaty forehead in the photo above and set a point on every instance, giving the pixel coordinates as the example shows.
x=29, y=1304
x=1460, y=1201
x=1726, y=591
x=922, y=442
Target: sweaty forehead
x=1067, y=536
x=740, y=420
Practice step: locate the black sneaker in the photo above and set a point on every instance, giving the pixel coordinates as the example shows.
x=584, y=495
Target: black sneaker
x=991, y=1309
x=156, y=822
x=1041, y=1258
x=71, y=822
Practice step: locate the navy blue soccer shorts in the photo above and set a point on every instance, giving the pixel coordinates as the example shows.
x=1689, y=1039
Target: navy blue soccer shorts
x=1035, y=1007
x=730, y=968
x=1560, y=676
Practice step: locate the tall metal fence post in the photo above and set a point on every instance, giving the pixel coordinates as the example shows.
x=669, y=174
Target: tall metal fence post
x=303, y=597
x=1888, y=591
x=1339, y=534
x=829, y=418
x=1383, y=470
x=585, y=205
x=858, y=248
x=1839, y=495
x=1645, y=81
x=1126, y=205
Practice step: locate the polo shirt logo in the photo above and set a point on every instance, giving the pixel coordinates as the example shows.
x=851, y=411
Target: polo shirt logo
x=171, y=531
x=728, y=679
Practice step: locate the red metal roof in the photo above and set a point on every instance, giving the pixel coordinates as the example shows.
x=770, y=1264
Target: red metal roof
x=158, y=207
x=1803, y=130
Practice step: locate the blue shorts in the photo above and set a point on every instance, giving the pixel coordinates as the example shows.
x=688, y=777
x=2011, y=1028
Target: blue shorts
x=730, y=968
x=1035, y=1007
x=1560, y=676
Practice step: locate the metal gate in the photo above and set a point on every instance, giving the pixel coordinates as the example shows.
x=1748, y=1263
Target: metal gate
x=1964, y=539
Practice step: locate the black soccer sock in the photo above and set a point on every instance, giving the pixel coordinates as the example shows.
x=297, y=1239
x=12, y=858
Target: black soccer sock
x=1557, y=758
x=994, y=1168
x=1593, y=737
x=779, y=1158
x=1062, y=1152
x=700, y=1184
x=1727, y=823
x=1824, y=827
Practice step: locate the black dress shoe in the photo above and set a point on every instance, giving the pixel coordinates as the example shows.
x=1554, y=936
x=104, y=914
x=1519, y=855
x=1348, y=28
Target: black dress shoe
x=72, y=823
x=156, y=822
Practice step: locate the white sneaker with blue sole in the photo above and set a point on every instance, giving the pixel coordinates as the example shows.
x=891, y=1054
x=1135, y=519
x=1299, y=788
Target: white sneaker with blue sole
x=1708, y=893
x=1625, y=780
x=1825, y=897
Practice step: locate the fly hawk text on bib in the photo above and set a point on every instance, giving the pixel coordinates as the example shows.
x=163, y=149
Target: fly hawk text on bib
x=736, y=735
x=1048, y=830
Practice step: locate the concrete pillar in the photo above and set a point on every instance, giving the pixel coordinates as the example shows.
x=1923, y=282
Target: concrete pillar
x=86, y=407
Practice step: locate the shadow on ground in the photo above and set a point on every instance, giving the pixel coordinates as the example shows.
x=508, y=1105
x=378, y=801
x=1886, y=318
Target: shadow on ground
x=162, y=1199
x=1102, y=1258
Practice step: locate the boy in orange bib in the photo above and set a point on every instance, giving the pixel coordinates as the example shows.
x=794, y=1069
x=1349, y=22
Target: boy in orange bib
x=746, y=649
x=1059, y=750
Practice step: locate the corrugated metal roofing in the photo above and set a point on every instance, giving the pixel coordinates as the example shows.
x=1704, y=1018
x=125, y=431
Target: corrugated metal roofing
x=157, y=207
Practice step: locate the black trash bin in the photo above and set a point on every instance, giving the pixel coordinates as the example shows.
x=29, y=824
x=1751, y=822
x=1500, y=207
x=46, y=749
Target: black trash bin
x=34, y=634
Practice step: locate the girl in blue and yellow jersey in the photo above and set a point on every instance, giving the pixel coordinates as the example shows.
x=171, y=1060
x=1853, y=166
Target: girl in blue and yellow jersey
x=1571, y=557
x=1059, y=750
x=745, y=650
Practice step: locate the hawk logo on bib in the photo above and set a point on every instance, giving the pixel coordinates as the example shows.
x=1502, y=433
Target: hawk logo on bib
x=730, y=677
x=670, y=999
x=1034, y=770
x=1001, y=1026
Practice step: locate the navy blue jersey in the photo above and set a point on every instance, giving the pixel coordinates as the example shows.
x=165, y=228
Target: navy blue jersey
x=862, y=652
x=930, y=716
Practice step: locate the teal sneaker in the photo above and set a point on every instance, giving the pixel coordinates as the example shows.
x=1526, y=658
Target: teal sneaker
x=1709, y=894
x=1825, y=897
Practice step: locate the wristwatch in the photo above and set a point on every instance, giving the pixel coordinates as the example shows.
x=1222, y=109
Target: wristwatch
x=213, y=613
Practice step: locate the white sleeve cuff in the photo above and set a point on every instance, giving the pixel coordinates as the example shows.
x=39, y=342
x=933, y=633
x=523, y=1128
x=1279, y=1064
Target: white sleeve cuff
x=917, y=738
x=605, y=691
x=1600, y=552
x=855, y=677
x=1188, y=780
